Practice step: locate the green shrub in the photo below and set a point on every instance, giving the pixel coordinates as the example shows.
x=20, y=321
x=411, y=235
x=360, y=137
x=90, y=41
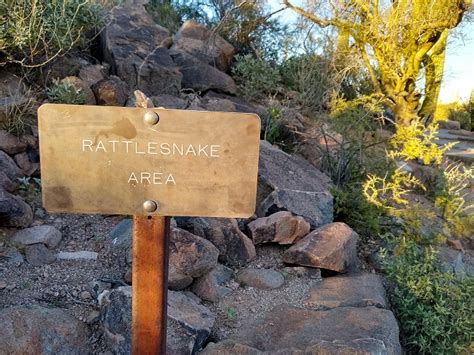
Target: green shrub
x=434, y=308
x=461, y=114
x=65, y=92
x=255, y=76
x=33, y=32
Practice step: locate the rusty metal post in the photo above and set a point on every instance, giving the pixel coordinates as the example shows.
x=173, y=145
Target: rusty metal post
x=149, y=284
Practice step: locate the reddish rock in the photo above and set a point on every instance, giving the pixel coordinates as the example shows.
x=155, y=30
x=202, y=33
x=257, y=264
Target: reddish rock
x=455, y=244
x=190, y=257
x=331, y=247
x=235, y=248
x=11, y=144
x=92, y=74
x=6, y=184
x=204, y=44
x=210, y=287
x=281, y=227
x=9, y=167
x=260, y=278
x=23, y=162
x=14, y=212
x=111, y=92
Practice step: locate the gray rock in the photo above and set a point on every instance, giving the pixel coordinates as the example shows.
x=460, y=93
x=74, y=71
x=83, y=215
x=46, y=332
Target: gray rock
x=260, y=278
x=449, y=125
x=121, y=234
x=67, y=65
x=9, y=167
x=92, y=74
x=281, y=227
x=289, y=183
x=190, y=255
x=12, y=256
x=39, y=254
x=348, y=291
x=204, y=44
x=6, y=183
x=301, y=271
x=192, y=316
x=23, y=162
x=48, y=235
x=110, y=92
x=200, y=76
x=220, y=105
x=240, y=104
x=189, y=323
x=452, y=261
x=210, y=287
x=344, y=330
x=14, y=212
x=331, y=247
x=11, y=144
x=136, y=48
x=38, y=330
x=77, y=255
x=235, y=248
x=169, y=102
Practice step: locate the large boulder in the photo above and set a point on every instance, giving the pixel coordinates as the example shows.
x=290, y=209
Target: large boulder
x=136, y=48
x=200, y=76
x=14, y=212
x=39, y=330
x=190, y=257
x=235, y=248
x=204, y=44
x=9, y=167
x=290, y=183
x=331, y=247
x=189, y=323
x=360, y=290
x=281, y=227
x=289, y=330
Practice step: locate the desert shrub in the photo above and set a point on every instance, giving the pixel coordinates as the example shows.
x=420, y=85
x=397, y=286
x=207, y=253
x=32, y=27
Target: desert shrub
x=434, y=308
x=65, y=92
x=255, y=76
x=461, y=114
x=272, y=124
x=17, y=112
x=172, y=14
x=34, y=32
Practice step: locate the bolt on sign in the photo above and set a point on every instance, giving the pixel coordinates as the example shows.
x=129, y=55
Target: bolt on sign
x=119, y=160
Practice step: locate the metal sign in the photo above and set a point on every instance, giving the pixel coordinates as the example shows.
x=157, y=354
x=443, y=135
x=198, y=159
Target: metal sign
x=119, y=160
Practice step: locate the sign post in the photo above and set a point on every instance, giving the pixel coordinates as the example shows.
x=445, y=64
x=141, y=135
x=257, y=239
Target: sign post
x=150, y=163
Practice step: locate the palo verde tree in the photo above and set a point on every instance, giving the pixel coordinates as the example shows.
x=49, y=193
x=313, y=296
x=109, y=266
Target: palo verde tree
x=399, y=41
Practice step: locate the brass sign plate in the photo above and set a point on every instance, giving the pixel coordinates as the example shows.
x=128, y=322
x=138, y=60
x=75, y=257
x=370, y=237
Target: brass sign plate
x=118, y=160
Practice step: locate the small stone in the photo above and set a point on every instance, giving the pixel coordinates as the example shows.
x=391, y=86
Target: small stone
x=127, y=277
x=85, y=295
x=210, y=287
x=22, y=160
x=11, y=144
x=45, y=234
x=3, y=284
x=301, y=271
x=9, y=167
x=260, y=278
x=38, y=254
x=111, y=92
x=93, y=317
x=331, y=247
x=77, y=255
x=281, y=227
x=13, y=256
x=92, y=74
x=6, y=183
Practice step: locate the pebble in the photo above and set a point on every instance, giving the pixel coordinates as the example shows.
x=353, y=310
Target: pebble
x=85, y=295
x=3, y=284
x=77, y=255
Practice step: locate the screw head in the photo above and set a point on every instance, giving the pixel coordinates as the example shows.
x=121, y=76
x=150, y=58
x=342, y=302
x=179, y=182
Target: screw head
x=151, y=118
x=150, y=206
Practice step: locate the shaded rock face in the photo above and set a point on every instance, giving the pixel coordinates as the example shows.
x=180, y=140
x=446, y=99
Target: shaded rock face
x=11, y=144
x=281, y=227
x=190, y=257
x=14, y=212
x=210, y=48
x=9, y=167
x=136, y=48
x=290, y=330
x=235, y=248
x=200, y=76
x=38, y=330
x=6, y=183
x=289, y=183
x=210, y=287
x=331, y=247
x=39, y=254
x=348, y=291
x=189, y=323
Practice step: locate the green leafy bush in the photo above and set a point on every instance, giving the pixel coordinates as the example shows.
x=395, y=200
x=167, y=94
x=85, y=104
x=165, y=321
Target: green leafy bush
x=65, y=92
x=255, y=76
x=462, y=114
x=434, y=308
x=33, y=32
